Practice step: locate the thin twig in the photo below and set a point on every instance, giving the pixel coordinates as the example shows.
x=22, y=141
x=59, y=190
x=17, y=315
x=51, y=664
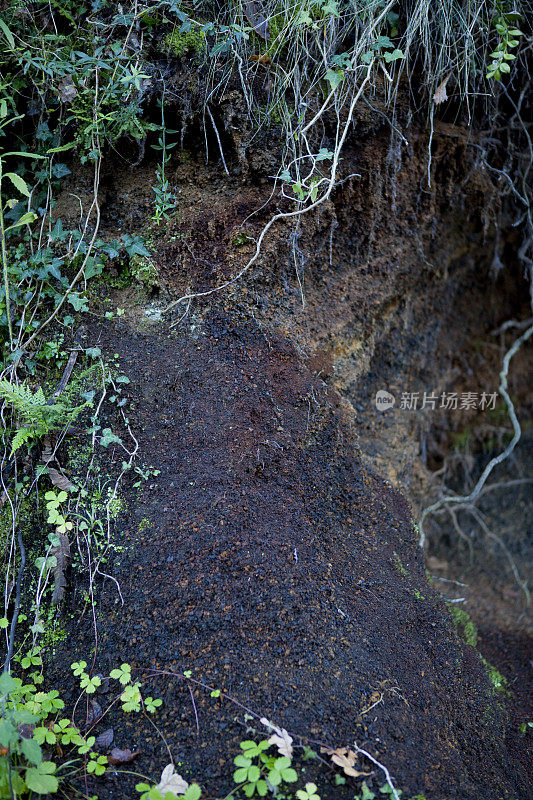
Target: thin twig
x=474, y=494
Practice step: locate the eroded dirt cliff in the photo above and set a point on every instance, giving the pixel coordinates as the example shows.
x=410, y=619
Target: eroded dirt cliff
x=268, y=556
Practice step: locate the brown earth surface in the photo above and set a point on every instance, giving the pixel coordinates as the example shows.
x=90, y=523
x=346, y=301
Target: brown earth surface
x=268, y=557
x=280, y=570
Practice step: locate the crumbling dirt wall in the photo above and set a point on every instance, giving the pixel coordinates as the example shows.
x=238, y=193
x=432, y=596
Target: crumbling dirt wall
x=266, y=557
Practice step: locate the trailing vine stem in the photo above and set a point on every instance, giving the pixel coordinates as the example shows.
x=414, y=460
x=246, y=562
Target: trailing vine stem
x=461, y=500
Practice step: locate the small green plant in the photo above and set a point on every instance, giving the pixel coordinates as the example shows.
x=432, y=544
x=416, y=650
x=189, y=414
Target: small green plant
x=131, y=697
x=505, y=25
x=21, y=188
x=30, y=721
x=55, y=515
x=256, y=769
x=240, y=239
x=469, y=633
x=36, y=416
x=385, y=791
x=191, y=41
x=97, y=764
x=366, y=793
x=499, y=682
x=399, y=567
x=165, y=199
x=462, y=621
x=310, y=792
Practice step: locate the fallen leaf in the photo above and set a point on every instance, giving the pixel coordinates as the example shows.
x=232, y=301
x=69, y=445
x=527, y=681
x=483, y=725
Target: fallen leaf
x=47, y=453
x=440, y=92
x=264, y=59
x=104, y=686
x=118, y=756
x=171, y=782
x=25, y=730
x=283, y=742
x=105, y=739
x=67, y=90
x=345, y=759
x=62, y=555
x=280, y=738
x=437, y=563
x=58, y=479
x=94, y=714
x=254, y=11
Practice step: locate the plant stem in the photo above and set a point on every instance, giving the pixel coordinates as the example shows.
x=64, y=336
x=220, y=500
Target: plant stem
x=4, y=264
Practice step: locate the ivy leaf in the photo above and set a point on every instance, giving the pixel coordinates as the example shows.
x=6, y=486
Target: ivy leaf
x=94, y=267
x=334, y=77
x=331, y=7
x=394, y=56
x=382, y=41
x=78, y=303
x=108, y=437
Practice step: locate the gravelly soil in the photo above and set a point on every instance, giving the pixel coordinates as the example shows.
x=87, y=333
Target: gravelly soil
x=269, y=561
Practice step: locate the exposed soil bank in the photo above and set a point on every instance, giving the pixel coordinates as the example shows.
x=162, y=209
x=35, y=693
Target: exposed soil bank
x=266, y=556
x=280, y=570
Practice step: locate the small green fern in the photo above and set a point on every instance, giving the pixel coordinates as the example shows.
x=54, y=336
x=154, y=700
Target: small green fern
x=36, y=417
x=21, y=436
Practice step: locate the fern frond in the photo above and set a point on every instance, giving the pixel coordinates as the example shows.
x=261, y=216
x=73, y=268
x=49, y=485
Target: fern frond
x=21, y=397
x=21, y=437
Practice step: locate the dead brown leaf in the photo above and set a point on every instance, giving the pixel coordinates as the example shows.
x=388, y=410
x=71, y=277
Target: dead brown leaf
x=67, y=90
x=93, y=714
x=105, y=739
x=344, y=758
x=280, y=738
x=440, y=92
x=62, y=556
x=435, y=563
x=254, y=12
x=59, y=480
x=25, y=730
x=171, y=782
x=118, y=756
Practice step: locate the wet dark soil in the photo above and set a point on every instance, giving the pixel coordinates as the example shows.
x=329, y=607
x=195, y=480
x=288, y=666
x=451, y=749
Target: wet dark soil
x=269, y=561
